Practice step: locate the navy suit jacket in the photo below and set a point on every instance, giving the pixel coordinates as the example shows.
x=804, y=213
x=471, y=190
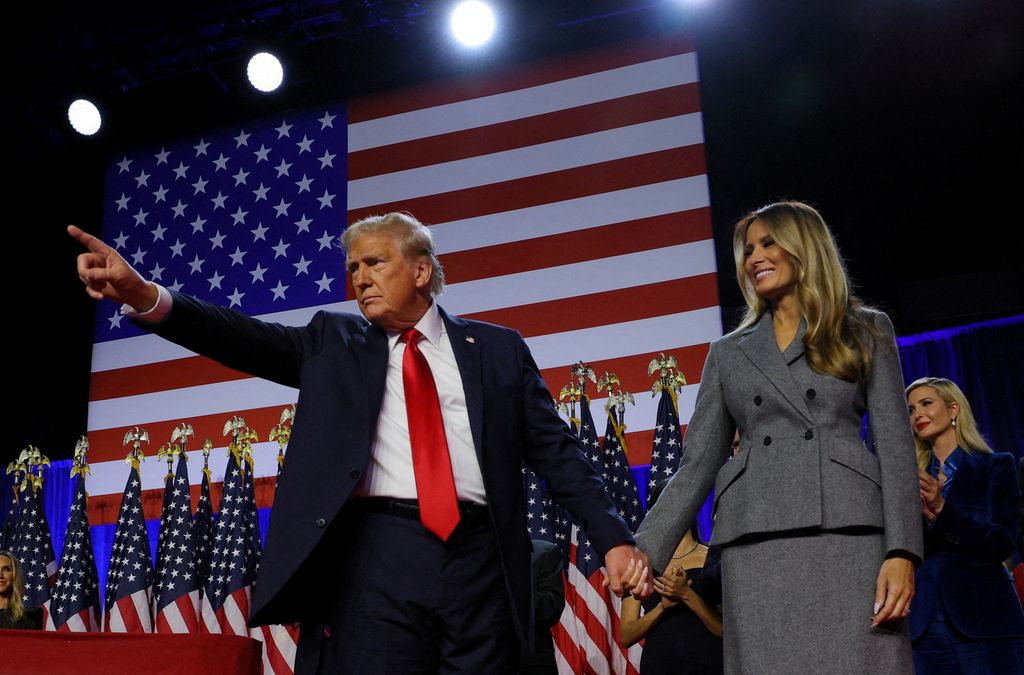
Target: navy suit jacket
x=338, y=362
x=964, y=550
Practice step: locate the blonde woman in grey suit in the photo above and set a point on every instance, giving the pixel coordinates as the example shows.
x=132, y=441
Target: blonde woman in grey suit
x=820, y=533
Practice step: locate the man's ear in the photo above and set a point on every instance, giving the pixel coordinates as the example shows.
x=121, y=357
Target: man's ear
x=424, y=273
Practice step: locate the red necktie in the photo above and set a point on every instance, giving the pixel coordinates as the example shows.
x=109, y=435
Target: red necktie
x=435, y=486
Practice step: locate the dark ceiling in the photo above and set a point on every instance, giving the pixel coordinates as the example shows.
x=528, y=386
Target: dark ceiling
x=900, y=119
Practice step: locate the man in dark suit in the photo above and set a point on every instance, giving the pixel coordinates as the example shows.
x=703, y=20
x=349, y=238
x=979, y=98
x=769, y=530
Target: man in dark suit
x=399, y=530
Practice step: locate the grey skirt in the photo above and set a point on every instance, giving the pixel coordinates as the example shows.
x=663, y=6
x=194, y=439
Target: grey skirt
x=803, y=604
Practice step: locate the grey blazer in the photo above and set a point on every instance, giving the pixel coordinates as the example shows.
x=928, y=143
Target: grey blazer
x=802, y=463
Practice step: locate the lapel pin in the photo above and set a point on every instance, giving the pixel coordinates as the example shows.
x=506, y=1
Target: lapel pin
x=471, y=340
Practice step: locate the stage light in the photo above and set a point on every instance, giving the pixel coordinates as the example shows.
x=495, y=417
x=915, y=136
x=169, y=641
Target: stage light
x=265, y=72
x=472, y=23
x=84, y=117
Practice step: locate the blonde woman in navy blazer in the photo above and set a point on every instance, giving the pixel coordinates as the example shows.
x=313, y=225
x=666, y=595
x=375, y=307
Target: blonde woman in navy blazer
x=966, y=617
x=819, y=534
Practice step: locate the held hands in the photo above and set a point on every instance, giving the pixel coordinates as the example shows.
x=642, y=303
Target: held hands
x=893, y=591
x=107, y=275
x=931, y=494
x=627, y=570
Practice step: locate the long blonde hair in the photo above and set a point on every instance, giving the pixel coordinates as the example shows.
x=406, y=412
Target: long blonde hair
x=16, y=604
x=967, y=435
x=838, y=332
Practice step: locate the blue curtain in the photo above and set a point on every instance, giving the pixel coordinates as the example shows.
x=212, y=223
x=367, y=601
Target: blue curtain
x=987, y=361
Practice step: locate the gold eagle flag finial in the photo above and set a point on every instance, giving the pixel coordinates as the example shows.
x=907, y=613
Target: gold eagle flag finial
x=33, y=461
x=135, y=437
x=80, y=463
x=207, y=447
x=670, y=379
x=282, y=433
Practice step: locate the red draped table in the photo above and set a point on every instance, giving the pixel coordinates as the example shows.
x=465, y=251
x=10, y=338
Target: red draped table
x=42, y=653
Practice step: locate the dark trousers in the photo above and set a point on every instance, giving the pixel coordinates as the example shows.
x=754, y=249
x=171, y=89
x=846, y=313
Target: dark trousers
x=404, y=602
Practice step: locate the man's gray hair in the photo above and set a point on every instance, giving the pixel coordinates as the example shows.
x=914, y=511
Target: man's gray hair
x=414, y=238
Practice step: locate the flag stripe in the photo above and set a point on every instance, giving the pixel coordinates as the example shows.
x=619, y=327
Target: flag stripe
x=527, y=162
x=570, y=183
x=584, y=119
x=513, y=104
x=392, y=104
x=578, y=246
x=631, y=204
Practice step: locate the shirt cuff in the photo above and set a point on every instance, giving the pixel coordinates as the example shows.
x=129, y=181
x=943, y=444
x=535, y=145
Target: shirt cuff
x=154, y=314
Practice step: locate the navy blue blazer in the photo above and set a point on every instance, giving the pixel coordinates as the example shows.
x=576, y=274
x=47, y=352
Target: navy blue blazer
x=964, y=550
x=338, y=362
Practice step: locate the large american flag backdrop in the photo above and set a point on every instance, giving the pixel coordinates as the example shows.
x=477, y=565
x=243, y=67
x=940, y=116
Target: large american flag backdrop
x=568, y=198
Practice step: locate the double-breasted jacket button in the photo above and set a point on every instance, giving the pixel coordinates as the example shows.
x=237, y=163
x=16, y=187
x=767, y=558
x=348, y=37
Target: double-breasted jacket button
x=757, y=400
x=809, y=435
x=811, y=394
x=320, y=522
x=767, y=440
x=353, y=474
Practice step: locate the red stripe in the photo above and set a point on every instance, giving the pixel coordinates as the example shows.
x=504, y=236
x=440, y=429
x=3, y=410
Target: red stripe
x=129, y=616
x=632, y=370
x=278, y=663
x=173, y=374
x=103, y=509
x=567, y=647
x=106, y=444
x=593, y=625
x=644, y=234
x=557, y=68
x=619, y=174
x=591, y=311
x=521, y=133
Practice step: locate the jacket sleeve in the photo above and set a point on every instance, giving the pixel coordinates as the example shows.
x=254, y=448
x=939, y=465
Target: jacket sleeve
x=962, y=531
x=268, y=350
x=705, y=448
x=894, y=444
x=554, y=453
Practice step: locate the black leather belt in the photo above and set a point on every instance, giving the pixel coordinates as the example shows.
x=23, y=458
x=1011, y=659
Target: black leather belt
x=470, y=513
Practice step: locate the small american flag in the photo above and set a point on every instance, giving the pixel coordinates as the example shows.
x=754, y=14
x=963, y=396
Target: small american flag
x=232, y=565
x=177, y=582
x=34, y=547
x=202, y=529
x=618, y=479
x=586, y=637
x=75, y=606
x=130, y=576
x=667, y=446
x=540, y=521
x=234, y=561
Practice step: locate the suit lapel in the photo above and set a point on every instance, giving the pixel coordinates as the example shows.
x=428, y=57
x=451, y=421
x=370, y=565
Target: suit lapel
x=467, y=355
x=759, y=345
x=372, y=348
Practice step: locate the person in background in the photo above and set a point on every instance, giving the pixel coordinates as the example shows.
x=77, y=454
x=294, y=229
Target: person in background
x=548, y=602
x=682, y=623
x=13, y=613
x=966, y=617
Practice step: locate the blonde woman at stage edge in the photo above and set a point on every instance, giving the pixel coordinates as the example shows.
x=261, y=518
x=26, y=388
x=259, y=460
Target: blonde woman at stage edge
x=819, y=534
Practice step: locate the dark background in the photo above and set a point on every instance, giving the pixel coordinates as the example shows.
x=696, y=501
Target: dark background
x=901, y=120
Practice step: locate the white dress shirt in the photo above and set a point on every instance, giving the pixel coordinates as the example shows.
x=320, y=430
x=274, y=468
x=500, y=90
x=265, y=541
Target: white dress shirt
x=390, y=471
